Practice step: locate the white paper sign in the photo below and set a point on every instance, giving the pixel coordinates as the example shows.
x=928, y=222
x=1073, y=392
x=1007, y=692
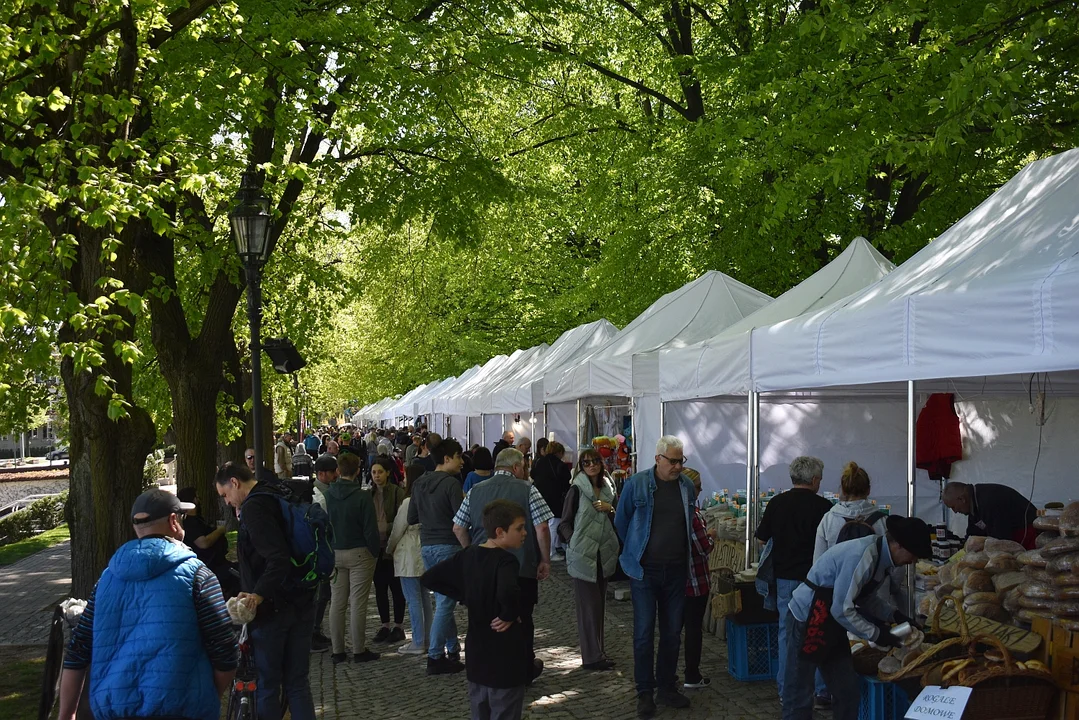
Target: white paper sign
x=936, y=703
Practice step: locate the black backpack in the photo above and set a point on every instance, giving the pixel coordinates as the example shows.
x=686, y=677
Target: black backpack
x=859, y=527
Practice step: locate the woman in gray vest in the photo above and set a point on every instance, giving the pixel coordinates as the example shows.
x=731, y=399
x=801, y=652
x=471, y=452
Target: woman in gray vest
x=591, y=552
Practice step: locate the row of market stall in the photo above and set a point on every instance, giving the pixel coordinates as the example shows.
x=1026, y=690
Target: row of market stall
x=837, y=367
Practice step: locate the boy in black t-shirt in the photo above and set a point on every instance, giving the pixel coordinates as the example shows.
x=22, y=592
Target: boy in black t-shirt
x=484, y=578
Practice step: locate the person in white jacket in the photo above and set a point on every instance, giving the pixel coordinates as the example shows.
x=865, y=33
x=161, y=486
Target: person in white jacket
x=404, y=545
x=855, y=506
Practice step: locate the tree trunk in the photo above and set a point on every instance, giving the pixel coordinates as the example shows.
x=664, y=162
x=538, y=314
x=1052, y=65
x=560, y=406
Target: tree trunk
x=194, y=412
x=106, y=465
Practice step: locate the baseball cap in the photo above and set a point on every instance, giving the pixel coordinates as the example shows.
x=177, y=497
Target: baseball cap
x=156, y=504
x=325, y=463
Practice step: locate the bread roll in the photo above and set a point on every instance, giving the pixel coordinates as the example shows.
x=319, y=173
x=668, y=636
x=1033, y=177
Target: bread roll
x=978, y=581
x=1037, y=590
x=1032, y=557
x=1063, y=564
x=975, y=543
x=1002, y=562
x=1035, y=603
x=1002, y=582
x=1048, y=523
x=1069, y=520
x=1011, y=547
x=976, y=560
x=1061, y=546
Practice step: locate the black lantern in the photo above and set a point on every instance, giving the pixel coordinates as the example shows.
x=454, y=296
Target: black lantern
x=250, y=221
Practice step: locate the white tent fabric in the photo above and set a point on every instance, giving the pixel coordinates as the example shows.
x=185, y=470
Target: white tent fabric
x=628, y=361
x=473, y=398
x=431, y=404
x=402, y=407
x=421, y=402
x=452, y=402
x=523, y=390
x=996, y=293
x=720, y=365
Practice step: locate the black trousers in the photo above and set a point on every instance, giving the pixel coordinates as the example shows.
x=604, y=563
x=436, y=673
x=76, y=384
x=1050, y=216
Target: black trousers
x=385, y=584
x=694, y=625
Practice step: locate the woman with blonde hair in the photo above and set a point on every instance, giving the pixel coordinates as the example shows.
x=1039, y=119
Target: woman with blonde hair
x=854, y=506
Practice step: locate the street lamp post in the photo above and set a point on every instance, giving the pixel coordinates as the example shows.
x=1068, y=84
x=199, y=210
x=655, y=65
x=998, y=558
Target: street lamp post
x=250, y=222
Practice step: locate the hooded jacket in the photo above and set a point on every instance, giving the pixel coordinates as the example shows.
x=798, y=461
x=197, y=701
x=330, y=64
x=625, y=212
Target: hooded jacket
x=435, y=499
x=352, y=516
x=145, y=627
x=834, y=520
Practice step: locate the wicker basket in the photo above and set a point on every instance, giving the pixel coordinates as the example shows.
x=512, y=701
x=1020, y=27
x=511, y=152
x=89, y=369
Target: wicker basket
x=866, y=660
x=1002, y=691
x=726, y=600
x=936, y=634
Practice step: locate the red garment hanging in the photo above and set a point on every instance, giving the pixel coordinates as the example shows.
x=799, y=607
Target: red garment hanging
x=937, y=439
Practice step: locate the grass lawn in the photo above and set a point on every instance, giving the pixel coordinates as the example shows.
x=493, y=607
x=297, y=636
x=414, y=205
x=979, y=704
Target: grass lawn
x=24, y=548
x=20, y=687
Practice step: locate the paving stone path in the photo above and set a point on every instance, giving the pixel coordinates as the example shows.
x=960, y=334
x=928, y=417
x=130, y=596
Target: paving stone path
x=396, y=686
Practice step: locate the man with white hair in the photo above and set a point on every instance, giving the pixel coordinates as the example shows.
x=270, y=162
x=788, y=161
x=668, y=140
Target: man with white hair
x=790, y=521
x=654, y=521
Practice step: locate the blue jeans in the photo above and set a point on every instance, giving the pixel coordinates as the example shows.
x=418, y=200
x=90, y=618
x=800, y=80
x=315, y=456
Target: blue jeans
x=420, y=613
x=661, y=594
x=842, y=681
x=281, y=644
x=784, y=590
x=444, y=625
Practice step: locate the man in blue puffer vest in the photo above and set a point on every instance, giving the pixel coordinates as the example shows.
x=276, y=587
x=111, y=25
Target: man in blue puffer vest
x=155, y=635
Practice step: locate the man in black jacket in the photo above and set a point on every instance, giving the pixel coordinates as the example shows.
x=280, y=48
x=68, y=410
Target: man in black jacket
x=285, y=618
x=996, y=511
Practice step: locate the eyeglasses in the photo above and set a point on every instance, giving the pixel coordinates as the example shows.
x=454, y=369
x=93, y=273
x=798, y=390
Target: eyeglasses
x=675, y=461
x=250, y=457
x=591, y=461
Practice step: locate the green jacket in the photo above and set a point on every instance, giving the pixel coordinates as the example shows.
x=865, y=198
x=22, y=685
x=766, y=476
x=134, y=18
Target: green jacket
x=352, y=516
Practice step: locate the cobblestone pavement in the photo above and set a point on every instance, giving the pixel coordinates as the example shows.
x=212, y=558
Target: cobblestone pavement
x=29, y=590
x=396, y=687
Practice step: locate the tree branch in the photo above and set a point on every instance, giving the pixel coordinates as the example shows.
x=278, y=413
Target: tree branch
x=562, y=50
x=644, y=22
x=178, y=20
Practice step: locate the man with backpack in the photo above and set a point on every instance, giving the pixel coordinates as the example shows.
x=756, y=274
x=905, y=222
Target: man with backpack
x=282, y=597
x=790, y=521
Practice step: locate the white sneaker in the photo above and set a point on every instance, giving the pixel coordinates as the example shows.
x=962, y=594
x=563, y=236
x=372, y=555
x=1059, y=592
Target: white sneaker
x=411, y=649
x=558, y=557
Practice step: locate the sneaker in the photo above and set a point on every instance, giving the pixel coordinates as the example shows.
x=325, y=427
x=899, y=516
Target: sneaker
x=558, y=557
x=703, y=682
x=319, y=644
x=646, y=706
x=671, y=698
x=382, y=635
x=411, y=649
x=822, y=701
x=397, y=635
x=365, y=656
x=599, y=665
x=338, y=658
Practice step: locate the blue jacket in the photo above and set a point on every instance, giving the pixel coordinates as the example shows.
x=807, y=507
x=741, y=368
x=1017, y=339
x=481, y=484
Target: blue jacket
x=849, y=567
x=148, y=658
x=633, y=519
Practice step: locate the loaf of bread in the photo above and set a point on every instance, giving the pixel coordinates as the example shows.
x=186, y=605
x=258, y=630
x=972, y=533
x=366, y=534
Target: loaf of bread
x=978, y=581
x=993, y=545
x=1061, y=546
x=1005, y=581
x=1069, y=520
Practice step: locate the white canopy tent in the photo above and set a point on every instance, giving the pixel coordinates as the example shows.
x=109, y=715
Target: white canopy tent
x=623, y=373
x=421, y=403
x=995, y=301
x=705, y=386
x=402, y=408
x=445, y=425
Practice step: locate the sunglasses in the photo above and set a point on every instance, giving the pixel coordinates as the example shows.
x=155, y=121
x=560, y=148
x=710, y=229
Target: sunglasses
x=250, y=457
x=591, y=461
x=675, y=461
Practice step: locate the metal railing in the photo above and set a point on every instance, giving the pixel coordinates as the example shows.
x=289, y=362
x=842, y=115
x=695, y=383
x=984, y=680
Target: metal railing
x=23, y=503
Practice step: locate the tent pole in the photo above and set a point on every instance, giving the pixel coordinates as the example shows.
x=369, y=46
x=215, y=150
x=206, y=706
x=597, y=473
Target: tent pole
x=662, y=418
x=483, y=431
x=749, y=479
x=578, y=425
x=544, y=419
x=912, y=418
x=633, y=431
x=756, y=471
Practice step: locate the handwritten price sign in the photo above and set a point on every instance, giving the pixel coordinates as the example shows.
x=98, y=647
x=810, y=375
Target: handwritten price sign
x=936, y=703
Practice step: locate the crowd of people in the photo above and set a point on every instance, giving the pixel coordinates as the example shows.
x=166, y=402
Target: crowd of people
x=429, y=524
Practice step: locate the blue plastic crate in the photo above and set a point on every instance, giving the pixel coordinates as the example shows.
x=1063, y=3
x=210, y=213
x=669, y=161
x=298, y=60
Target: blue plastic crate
x=752, y=651
x=882, y=701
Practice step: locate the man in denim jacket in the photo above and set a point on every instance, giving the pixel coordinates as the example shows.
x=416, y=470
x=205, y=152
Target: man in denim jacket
x=654, y=522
